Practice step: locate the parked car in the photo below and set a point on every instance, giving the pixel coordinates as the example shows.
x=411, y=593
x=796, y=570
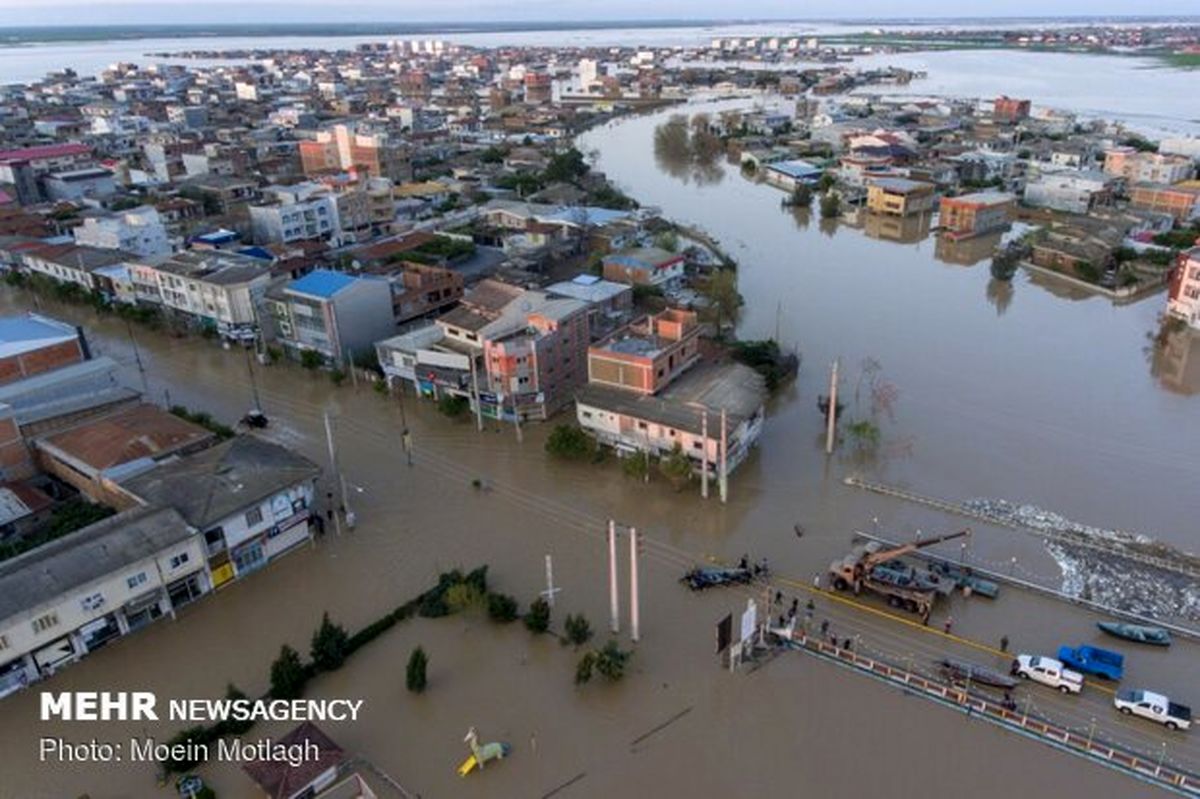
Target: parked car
x=1093, y=660
x=1048, y=671
x=1155, y=707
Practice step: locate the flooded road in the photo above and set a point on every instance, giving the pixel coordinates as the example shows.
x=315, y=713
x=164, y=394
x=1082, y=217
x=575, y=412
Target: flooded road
x=794, y=722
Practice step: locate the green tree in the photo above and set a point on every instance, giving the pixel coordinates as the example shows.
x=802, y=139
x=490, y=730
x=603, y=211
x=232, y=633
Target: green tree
x=502, y=608
x=577, y=629
x=463, y=597
x=611, y=661
x=414, y=675
x=288, y=674
x=566, y=167
x=724, y=299
x=585, y=667
x=328, y=648
x=453, y=406
x=311, y=359
x=232, y=726
x=831, y=206
x=569, y=442
x=667, y=240
x=826, y=182
x=676, y=466
x=802, y=195
x=537, y=619
x=1004, y=264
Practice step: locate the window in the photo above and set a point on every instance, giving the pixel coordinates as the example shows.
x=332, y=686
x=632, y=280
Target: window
x=254, y=516
x=43, y=623
x=92, y=601
x=179, y=560
x=136, y=580
x=3, y=642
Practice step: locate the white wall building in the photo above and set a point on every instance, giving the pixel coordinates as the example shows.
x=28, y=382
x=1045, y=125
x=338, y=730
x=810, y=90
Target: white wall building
x=139, y=231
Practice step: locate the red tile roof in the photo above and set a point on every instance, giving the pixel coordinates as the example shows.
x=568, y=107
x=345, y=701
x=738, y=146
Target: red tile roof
x=44, y=151
x=280, y=780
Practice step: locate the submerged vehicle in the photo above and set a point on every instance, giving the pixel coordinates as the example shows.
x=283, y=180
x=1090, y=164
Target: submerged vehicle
x=961, y=671
x=1093, y=660
x=700, y=578
x=1138, y=633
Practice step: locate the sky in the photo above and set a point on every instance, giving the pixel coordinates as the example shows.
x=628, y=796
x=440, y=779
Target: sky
x=117, y=12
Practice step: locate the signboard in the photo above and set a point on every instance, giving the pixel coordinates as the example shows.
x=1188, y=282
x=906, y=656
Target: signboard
x=724, y=633
x=749, y=620
x=447, y=360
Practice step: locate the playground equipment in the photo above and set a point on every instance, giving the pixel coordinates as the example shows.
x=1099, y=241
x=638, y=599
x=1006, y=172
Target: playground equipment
x=480, y=755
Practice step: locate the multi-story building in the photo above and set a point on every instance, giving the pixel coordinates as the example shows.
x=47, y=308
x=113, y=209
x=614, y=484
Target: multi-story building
x=211, y=288
x=341, y=148
x=71, y=263
x=139, y=231
x=1181, y=201
x=975, y=214
x=333, y=314
x=421, y=290
x=645, y=356
x=1136, y=166
x=1183, y=298
x=25, y=167
x=1010, y=109
x=645, y=266
x=31, y=344
x=1072, y=191
x=79, y=184
x=899, y=196
x=302, y=211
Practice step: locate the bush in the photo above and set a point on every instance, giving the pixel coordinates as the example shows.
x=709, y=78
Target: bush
x=569, y=442
x=831, y=206
x=231, y=726
x=537, y=620
x=502, y=608
x=463, y=597
x=414, y=676
x=288, y=674
x=584, y=668
x=676, y=467
x=311, y=359
x=611, y=660
x=337, y=376
x=635, y=466
x=1004, y=264
x=329, y=645
x=453, y=406
x=578, y=631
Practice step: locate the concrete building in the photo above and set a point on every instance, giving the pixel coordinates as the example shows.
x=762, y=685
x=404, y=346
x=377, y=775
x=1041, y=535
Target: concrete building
x=899, y=197
x=1183, y=297
x=421, y=290
x=71, y=263
x=1181, y=201
x=88, y=183
x=139, y=231
x=334, y=314
x=25, y=167
x=1010, y=109
x=341, y=148
x=1136, y=166
x=646, y=266
x=975, y=214
x=211, y=288
x=302, y=211
x=788, y=175
x=1072, y=191
x=645, y=356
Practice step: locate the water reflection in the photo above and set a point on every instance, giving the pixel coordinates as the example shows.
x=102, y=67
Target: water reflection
x=1176, y=360
x=1000, y=294
x=688, y=149
x=966, y=252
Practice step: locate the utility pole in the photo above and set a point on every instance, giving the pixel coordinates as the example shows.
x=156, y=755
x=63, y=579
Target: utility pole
x=614, y=601
x=550, y=589
x=634, y=607
x=405, y=435
x=350, y=368
x=704, y=457
x=475, y=391
x=337, y=519
x=137, y=357
x=831, y=422
x=724, y=484
x=517, y=417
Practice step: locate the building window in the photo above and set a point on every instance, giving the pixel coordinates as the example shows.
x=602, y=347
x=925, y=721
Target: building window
x=641, y=425
x=179, y=560
x=3, y=642
x=254, y=516
x=92, y=601
x=136, y=580
x=43, y=623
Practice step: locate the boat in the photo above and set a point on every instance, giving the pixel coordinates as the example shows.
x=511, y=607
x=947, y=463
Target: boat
x=960, y=671
x=965, y=578
x=701, y=578
x=899, y=574
x=1138, y=633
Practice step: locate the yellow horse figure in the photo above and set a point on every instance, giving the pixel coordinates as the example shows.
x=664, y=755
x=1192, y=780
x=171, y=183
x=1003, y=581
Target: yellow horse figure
x=480, y=755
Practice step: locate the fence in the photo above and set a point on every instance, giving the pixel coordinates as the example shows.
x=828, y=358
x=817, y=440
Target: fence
x=1155, y=771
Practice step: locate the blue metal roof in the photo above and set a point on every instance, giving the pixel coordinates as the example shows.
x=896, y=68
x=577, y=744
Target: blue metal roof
x=795, y=169
x=321, y=283
x=31, y=327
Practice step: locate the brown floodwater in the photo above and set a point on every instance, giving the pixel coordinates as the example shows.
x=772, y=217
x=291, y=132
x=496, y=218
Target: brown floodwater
x=1034, y=397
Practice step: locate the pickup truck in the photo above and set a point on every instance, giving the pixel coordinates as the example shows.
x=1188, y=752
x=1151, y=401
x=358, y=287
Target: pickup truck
x=1155, y=707
x=1093, y=660
x=1048, y=671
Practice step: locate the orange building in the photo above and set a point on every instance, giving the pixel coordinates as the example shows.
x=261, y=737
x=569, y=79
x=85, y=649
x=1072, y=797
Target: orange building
x=1181, y=201
x=647, y=354
x=974, y=214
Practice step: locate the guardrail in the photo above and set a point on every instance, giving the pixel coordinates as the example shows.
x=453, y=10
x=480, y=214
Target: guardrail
x=1154, y=771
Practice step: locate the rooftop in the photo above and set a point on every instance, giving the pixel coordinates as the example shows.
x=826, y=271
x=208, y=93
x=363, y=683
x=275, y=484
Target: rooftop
x=214, y=266
x=222, y=480
x=30, y=331
x=323, y=283
x=281, y=780
x=143, y=431
x=41, y=575
x=901, y=185
x=44, y=151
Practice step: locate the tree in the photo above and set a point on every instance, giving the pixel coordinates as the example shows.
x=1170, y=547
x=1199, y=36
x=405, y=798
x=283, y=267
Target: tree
x=311, y=359
x=537, y=620
x=414, y=675
x=726, y=302
x=831, y=206
x=288, y=674
x=453, y=406
x=463, y=596
x=565, y=167
x=667, y=240
x=677, y=466
x=1004, y=264
x=826, y=182
x=585, y=667
x=610, y=661
x=328, y=648
x=577, y=629
x=802, y=195
x=569, y=442
x=501, y=608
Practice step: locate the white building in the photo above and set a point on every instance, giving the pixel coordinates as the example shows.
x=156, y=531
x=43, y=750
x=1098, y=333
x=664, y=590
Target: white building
x=1069, y=190
x=80, y=184
x=212, y=288
x=302, y=211
x=139, y=231
x=1184, y=296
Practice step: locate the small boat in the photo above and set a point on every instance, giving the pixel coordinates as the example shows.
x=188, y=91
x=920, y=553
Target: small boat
x=960, y=671
x=699, y=579
x=965, y=578
x=1138, y=633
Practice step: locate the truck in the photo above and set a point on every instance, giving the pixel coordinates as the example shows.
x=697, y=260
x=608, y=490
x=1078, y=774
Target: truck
x=1048, y=671
x=1093, y=660
x=858, y=571
x=1154, y=706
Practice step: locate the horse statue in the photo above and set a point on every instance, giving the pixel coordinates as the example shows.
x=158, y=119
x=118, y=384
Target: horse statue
x=480, y=755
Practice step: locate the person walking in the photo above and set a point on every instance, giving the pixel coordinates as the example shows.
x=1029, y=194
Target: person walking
x=1004, y=643
x=949, y=624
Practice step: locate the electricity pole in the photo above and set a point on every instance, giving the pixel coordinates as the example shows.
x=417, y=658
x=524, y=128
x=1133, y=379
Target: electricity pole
x=704, y=459
x=613, y=600
x=337, y=519
x=634, y=607
x=831, y=422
